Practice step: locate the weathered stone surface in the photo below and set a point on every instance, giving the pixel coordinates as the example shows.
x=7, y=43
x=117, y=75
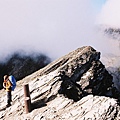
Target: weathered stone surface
x=75, y=87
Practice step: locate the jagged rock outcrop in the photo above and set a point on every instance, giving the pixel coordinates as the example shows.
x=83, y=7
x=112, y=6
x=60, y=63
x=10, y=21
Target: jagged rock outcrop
x=76, y=87
x=82, y=72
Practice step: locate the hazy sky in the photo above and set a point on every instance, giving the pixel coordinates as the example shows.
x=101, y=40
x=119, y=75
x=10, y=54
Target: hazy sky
x=53, y=27
x=110, y=13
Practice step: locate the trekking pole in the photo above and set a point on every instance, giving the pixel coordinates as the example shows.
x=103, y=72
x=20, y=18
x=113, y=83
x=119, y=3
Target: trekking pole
x=27, y=98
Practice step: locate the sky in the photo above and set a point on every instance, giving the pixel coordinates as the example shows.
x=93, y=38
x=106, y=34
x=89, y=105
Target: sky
x=110, y=14
x=97, y=4
x=52, y=27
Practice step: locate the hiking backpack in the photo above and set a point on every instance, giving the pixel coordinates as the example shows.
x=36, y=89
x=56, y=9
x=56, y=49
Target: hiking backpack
x=13, y=81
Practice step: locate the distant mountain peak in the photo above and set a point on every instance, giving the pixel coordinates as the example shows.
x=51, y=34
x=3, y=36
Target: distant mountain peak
x=110, y=31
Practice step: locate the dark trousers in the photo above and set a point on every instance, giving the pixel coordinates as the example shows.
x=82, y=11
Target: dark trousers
x=9, y=97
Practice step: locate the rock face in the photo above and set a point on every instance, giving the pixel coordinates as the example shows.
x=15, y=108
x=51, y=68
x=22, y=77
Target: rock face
x=76, y=87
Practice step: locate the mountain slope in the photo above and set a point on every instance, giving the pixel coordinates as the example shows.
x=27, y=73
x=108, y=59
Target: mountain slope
x=76, y=87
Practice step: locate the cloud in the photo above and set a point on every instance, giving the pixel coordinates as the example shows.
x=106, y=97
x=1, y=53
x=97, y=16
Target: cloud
x=52, y=27
x=110, y=14
x=109, y=17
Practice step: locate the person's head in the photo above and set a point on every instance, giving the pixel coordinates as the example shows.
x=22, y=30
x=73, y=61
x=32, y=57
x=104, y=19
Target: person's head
x=6, y=77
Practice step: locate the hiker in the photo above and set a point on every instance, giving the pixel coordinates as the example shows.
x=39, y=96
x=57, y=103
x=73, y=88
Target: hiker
x=7, y=86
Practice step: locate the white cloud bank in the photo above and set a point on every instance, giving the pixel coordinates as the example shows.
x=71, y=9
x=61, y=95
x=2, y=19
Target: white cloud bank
x=110, y=14
x=54, y=27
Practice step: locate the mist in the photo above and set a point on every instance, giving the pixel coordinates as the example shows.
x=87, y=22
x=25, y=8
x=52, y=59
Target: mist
x=52, y=27
x=110, y=14
x=109, y=17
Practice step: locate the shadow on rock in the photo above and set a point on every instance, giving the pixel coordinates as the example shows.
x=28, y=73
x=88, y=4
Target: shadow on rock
x=42, y=102
x=38, y=104
x=77, y=89
x=4, y=108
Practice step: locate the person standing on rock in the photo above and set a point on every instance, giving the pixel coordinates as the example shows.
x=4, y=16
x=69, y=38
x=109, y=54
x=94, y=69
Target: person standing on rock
x=7, y=86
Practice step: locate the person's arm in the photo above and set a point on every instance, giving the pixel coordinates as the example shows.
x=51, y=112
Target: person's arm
x=9, y=84
x=4, y=84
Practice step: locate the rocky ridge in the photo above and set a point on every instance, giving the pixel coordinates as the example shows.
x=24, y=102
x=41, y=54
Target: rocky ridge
x=76, y=87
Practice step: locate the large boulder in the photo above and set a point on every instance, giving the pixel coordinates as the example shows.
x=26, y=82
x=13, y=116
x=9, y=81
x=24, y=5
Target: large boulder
x=82, y=73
